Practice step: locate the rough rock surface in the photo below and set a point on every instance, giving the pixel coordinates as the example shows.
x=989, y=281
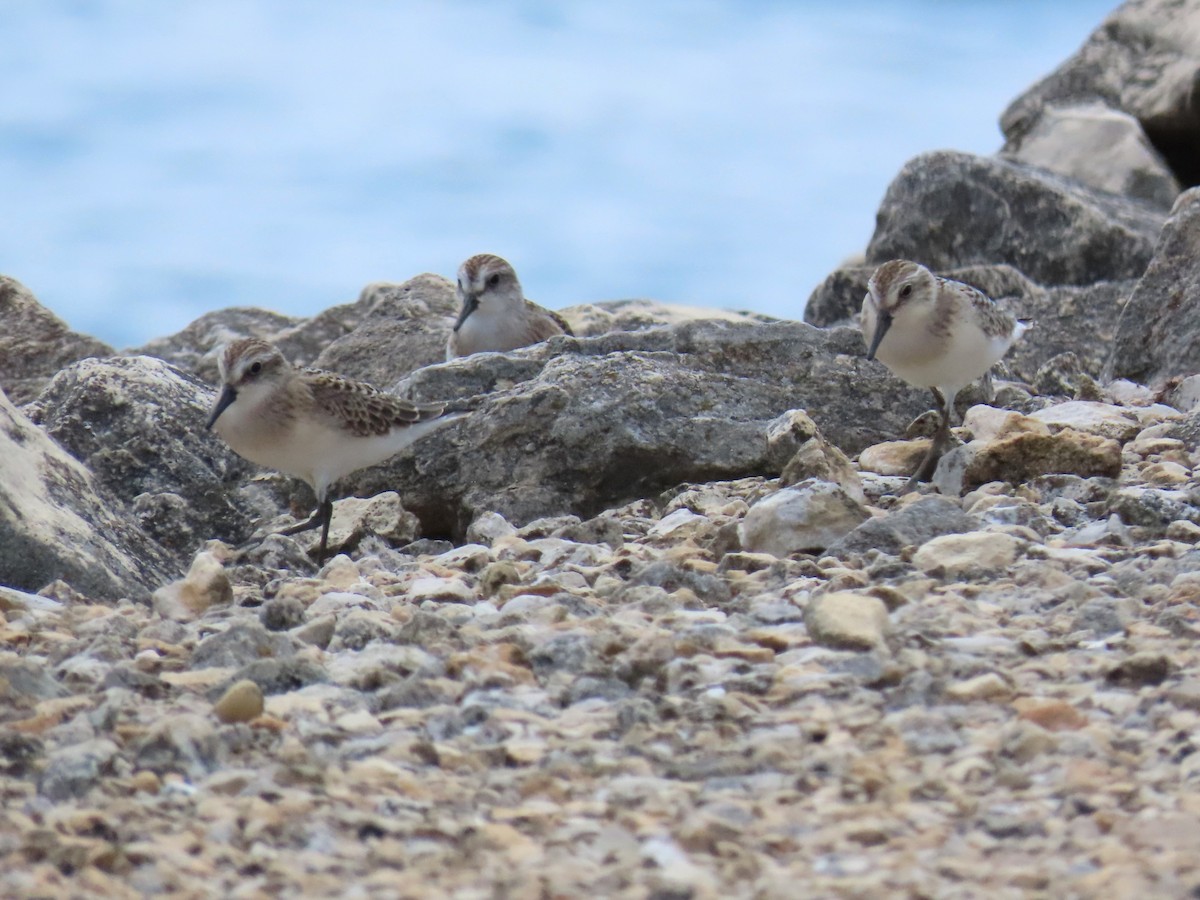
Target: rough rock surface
x=35, y=343
x=583, y=424
x=1142, y=61
x=57, y=524
x=591, y=319
x=948, y=210
x=1101, y=147
x=411, y=319
x=623, y=705
x=183, y=484
x=1158, y=335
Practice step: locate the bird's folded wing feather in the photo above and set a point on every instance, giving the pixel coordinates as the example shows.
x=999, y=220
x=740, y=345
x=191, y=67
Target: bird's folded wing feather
x=362, y=409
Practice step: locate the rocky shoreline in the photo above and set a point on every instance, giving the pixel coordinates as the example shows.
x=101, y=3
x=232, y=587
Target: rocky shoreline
x=652, y=619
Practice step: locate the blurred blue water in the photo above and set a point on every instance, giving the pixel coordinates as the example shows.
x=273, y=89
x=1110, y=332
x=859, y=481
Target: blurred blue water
x=158, y=160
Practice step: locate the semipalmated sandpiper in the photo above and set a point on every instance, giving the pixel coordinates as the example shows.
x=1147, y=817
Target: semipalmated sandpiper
x=314, y=425
x=933, y=333
x=494, y=313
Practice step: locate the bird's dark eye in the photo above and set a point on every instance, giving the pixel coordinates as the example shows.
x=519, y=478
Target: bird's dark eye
x=256, y=368
x=906, y=292
x=493, y=280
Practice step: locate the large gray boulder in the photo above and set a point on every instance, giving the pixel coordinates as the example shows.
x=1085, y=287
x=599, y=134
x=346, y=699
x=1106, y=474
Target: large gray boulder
x=194, y=349
x=35, y=343
x=413, y=319
x=138, y=426
x=56, y=522
x=1143, y=60
x=1158, y=335
x=948, y=210
x=1104, y=148
x=576, y=426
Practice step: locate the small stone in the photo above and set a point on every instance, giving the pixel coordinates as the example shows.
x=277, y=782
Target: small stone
x=1139, y=670
x=806, y=518
x=794, y=440
x=317, y=632
x=1101, y=419
x=1166, y=472
x=954, y=554
x=205, y=585
x=989, y=686
x=146, y=782
x=1052, y=715
x=909, y=526
x=72, y=771
x=487, y=527
x=847, y=621
x=183, y=743
x=241, y=703
x=1183, y=530
x=987, y=423
x=1186, y=695
x=1022, y=457
x=281, y=613
x=894, y=457
x=443, y=590
x=354, y=518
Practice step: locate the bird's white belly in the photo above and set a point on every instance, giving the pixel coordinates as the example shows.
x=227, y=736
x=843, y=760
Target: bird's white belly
x=949, y=364
x=309, y=448
x=489, y=331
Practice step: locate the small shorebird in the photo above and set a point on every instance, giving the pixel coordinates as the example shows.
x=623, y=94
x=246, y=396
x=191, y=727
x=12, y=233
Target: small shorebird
x=314, y=425
x=933, y=333
x=495, y=314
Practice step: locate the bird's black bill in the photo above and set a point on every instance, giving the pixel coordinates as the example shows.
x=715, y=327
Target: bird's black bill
x=228, y=395
x=470, y=304
x=882, y=324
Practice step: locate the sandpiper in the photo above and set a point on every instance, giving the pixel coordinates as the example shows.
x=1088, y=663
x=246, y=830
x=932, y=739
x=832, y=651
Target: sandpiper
x=495, y=314
x=933, y=333
x=314, y=425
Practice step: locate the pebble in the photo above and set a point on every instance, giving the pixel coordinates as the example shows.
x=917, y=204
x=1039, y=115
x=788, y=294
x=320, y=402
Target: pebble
x=955, y=554
x=808, y=517
x=242, y=702
x=205, y=585
x=847, y=620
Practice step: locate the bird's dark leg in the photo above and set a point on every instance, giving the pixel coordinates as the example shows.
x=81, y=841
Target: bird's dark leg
x=327, y=511
x=320, y=519
x=316, y=521
x=941, y=440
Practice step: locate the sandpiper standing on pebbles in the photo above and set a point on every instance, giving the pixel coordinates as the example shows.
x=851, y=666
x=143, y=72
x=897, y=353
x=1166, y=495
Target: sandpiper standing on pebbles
x=314, y=425
x=933, y=333
x=495, y=314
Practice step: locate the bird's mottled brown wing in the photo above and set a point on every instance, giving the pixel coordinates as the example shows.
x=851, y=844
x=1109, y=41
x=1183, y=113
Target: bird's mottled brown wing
x=993, y=318
x=545, y=323
x=362, y=409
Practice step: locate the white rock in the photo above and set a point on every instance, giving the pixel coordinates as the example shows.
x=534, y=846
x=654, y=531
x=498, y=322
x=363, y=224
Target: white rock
x=1095, y=418
x=953, y=554
x=674, y=521
x=1099, y=146
x=807, y=517
x=986, y=423
x=205, y=585
x=846, y=620
x=445, y=590
x=488, y=527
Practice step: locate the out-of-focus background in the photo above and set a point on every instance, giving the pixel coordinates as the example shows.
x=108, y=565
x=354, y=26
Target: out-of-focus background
x=159, y=160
